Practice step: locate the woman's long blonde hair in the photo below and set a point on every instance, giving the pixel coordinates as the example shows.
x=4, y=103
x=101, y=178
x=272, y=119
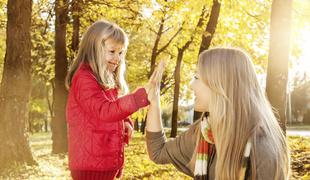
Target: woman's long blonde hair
x=239, y=111
x=91, y=51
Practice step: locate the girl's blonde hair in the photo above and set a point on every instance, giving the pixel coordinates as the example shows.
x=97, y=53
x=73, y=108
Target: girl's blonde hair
x=91, y=51
x=239, y=111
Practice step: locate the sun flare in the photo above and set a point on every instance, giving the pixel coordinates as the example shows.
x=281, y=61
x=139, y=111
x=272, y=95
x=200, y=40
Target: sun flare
x=303, y=63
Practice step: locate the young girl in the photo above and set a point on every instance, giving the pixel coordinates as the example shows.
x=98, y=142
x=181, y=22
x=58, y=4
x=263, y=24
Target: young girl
x=238, y=137
x=97, y=118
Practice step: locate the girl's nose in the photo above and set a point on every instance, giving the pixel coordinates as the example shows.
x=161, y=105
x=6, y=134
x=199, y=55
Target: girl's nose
x=117, y=58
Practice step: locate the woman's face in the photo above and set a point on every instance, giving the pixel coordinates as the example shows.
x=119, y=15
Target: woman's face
x=113, y=53
x=202, y=94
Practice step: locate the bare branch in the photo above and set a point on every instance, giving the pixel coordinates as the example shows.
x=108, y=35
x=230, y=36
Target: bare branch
x=167, y=29
x=123, y=7
x=151, y=29
x=168, y=43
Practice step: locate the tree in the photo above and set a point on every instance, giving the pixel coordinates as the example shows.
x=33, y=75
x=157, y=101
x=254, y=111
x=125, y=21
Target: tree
x=59, y=125
x=177, y=74
x=156, y=50
x=76, y=9
x=42, y=63
x=277, y=72
x=298, y=99
x=211, y=26
x=16, y=85
x=208, y=35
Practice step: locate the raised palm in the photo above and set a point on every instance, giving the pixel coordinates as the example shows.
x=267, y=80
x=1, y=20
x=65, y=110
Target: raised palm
x=153, y=86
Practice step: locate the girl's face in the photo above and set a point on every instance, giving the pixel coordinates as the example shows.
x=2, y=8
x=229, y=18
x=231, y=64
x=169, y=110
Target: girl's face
x=202, y=94
x=113, y=53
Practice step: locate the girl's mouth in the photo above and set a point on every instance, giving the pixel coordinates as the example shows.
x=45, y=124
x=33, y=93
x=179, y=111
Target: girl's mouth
x=112, y=63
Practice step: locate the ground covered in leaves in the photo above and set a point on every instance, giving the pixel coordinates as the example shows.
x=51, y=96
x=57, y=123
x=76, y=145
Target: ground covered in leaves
x=138, y=165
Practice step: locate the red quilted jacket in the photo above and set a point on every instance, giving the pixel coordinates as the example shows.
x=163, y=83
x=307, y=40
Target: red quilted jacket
x=95, y=118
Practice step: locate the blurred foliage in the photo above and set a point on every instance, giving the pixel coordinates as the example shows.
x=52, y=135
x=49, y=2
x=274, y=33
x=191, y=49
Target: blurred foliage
x=42, y=53
x=300, y=22
x=3, y=19
x=241, y=23
x=146, y=169
x=300, y=157
x=300, y=99
x=137, y=163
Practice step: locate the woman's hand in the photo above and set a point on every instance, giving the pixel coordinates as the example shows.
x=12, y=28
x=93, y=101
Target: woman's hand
x=153, y=86
x=153, y=122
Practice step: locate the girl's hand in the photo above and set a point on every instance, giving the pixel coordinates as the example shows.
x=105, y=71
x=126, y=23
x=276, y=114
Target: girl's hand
x=128, y=131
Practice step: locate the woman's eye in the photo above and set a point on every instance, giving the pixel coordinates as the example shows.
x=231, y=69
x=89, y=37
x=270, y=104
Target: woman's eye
x=120, y=53
x=112, y=51
x=196, y=77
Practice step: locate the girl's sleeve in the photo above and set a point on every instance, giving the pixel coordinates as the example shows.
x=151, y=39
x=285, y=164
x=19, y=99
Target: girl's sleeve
x=90, y=96
x=177, y=151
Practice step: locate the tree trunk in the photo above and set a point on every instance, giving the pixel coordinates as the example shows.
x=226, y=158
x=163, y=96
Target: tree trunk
x=155, y=47
x=143, y=124
x=76, y=27
x=16, y=86
x=45, y=125
x=30, y=129
x=50, y=102
x=155, y=50
x=177, y=78
x=277, y=72
x=211, y=26
x=207, y=38
x=177, y=75
x=136, y=125
x=59, y=125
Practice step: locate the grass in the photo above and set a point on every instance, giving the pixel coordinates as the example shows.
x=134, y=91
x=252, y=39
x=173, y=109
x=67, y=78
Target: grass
x=138, y=165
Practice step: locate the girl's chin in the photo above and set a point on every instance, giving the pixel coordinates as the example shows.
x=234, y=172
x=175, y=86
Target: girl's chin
x=112, y=69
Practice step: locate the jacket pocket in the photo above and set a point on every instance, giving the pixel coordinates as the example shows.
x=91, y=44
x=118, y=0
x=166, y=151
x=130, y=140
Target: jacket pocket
x=102, y=143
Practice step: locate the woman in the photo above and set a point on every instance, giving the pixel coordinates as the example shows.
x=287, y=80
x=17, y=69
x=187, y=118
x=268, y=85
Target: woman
x=237, y=138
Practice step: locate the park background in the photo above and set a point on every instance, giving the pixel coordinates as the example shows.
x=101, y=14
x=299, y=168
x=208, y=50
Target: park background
x=39, y=39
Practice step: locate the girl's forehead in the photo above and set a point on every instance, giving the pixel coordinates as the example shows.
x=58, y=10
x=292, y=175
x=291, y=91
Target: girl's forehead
x=112, y=44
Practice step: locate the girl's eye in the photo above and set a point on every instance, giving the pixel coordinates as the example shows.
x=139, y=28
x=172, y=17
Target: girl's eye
x=196, y=77
x=112, y=51
x=120, y=53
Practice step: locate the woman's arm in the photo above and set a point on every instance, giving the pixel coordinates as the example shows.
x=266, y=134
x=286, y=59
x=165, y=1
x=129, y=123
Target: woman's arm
x=153, y=123
x=176, y=151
